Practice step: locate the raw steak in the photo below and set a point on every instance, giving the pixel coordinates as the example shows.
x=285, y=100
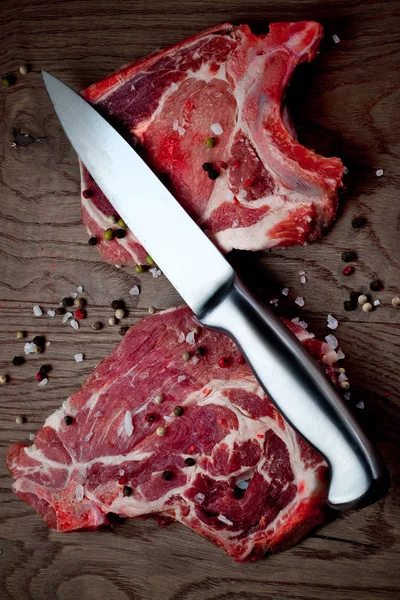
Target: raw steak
x=225, y=83
x=75, y=474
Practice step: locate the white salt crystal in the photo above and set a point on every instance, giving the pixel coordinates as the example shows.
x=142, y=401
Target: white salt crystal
x=199, y=498
x=377, y=302
x=229, y=195
x=51, y=313
x=31, y=436
x=300, y=301
x=216, y=128
x=78, y=357
x=74, y=295
x=89, y=435
x=181, y=378
x=44, y=382
x=79, y=492
x=274, y=301
x=80, y=288
x=48, y=343
x=302, y=272
x=336, y=38
x=128, y=425
x=332, y=322
x=29, y=347
x=98, y=414
x=360, y=405
x=135, y=291
x=173, y=87
x=342, y=377
x=121, y=472
x=340, y=354
x=303, y=279
x=181, y=130
x=332, y=341
x=347, y=395
x=242, y=194
x=190, y=337
x=155, y=272
x=168, y=419
x=243, y=485
x=74, y=324
x=296, y=320
x=224, y=520
x=379, y=173
x=67, y=316
x=285, y=292
x=235, y=224
x=195, y=360
x=37, y=311
x=181, y=337
x=346, y=170
x=303, y=324
x=175, y=124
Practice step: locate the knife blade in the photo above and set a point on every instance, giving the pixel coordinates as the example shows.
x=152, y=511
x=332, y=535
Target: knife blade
x=290, y=377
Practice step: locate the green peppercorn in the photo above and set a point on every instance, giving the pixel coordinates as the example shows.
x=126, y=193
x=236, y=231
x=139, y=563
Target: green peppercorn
x=185, y=356
x=120, y=233
x=8, y=80
x=149, y=260
x=167, y=475
x=178, y=411
x=140, y=268
x=17, y=361
x=117, y=304
x=349, y=256
x=108, y=234
x=97, y=326
x=200, y=351
x=189, y=462
x=93, y=241
x=121, y=223
x=68, y=420
x=21, y=335
x=210, y=142
x=213, y=174
x=127, y=491
x=207, y=166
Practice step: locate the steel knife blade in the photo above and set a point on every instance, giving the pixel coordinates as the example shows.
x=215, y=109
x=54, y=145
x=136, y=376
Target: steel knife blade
x=291, y=378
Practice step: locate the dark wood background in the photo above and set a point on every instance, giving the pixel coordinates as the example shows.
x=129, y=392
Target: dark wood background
x=346, y=103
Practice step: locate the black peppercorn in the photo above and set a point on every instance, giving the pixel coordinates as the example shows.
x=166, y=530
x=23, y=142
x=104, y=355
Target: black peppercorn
x=39, y=340
x=44, y=369
x=200, y=351
x=127, y=491
x=349, y=256
x=164, y=178
x=97, y=326
x=178, y=411
x=120, y=233
x=150, y=418
x=65, y=302
x=117, y=304
x=358, y=222
x=238, y=492
x=60, y=310
x=93, y=241
x=213, y=174
x=68, y=420
x=167, y=475
x=189, y=462
x=354, y=297
x=17, y=361
x=376, y=285
x=207, y=166
x=349, y=305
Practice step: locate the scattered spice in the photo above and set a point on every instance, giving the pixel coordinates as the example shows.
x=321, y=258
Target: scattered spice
x=120, y=234
x=112, y=219
x=300, y=301
x=349, y=256
x=344, y=385
x=367, y=307
x=68, y=420
x=93, y=241
x=20, y=420
x=4, y=379
x=51, y=312
x=122, y=331
x=44, y=369
x=396, y=302
x=65, y=302
x=336, y=38
x=158, y=399
x=200, y=351
x=97, y=326
x=155, y=272
x=332, y=341
x=185, y=356
x=119, y=313
x=112, y=321
x=116, y=304
x=362, y=299
x=80, y=313
x=38, y=349
x=78, y=357
x=224, y=362
x=285, y=291
x=149, y=260
x=135, y=291
x=210, y=142
x=349, y=305
x=241, y=359
x=60, y=311
x=167, y=475
x=160, y=431
x=121, y=223
x=21, y=335
x=379, y=173
x=376, y=285
x=150, y=418
x=39, y=376
x=190, y=462
x=108, y=234
x=79, y=302
x=37, y=311
x=80, y=289
x=24, y=69
x=377, y=302
x=151, y=310
x=207, y=166
x=44, y=382
x=358, y=222
x=74, y=324
x=216, y=128
x=127, y=491
x=87, y=194
x=17, y=361
x=238, y=492
x=8, y=80
x=178, y=411
x=349, y=270
x=213, y=174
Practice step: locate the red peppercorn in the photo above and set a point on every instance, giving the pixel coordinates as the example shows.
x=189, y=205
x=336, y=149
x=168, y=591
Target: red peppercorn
x=348, y=270
x=39, y=376
x=80, y=313
x=224, y=362
x=87, y=193
x=241, y=359
x=223, y=164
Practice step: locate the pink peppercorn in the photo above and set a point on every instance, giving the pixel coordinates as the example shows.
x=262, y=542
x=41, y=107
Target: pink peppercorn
x=87, y=193
x=224, y=362
x=39, y=377
x=348, y=270
x=80, y=313
x=241, y=359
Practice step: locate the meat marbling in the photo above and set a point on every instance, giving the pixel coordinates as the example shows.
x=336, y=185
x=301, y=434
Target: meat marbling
x=74, y=474
x=271, y=191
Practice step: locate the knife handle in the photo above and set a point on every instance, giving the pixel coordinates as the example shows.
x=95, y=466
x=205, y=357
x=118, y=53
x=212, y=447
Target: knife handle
x=304, y=395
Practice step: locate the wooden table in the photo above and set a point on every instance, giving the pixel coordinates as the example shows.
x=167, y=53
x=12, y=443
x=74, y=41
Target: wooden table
x=344, y=104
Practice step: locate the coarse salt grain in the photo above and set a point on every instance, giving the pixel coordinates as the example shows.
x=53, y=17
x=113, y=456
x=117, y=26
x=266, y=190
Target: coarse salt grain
x=285, y=292
x=29, y=347
x=199, y=498
x=303, y=279
x=303, y=324
x=300, y=301
x=216, y=128
x=121, y=472
x=181, y=378
x=347, y=396
x=79, y=492
x=242, y=194
x=74, y=324
x=168, y=419
x=243, y=485
x=340, y=354
x=181, y=130
x=173, y=87
x=89, y=435
x=74, y=295
x=98, y=414
x=346, y=170
x=37, y=311
x=155, y=272
x=80, y=288
x=51, y=312
x=332, y=341
x=332, y=322
x=48, y=343
x=128, y=425
x=360, y=405
x=175, y=124
x=31, y=436
x=274, y=301
x=342, y=377
x=44, y=382
x=67, y=316
x=229, y=195
x=377, y=302
x=78, y=357
x=181, y=337
x=336, y=38
x=224, y=520
x=296, y=320
x=235, y=224
x=190, y=337
x=195, y=360
x=379, y=173
x=135, y=291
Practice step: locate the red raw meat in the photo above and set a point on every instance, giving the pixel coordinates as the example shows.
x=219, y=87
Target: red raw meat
x=74, y=474
x=271, y=191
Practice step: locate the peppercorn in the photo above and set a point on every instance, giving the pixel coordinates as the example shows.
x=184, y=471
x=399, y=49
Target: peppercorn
x=178, y=411
x=344, y=385
x=362, y=299
x=167, y=475
x=93, y=241
x=24, y=69
x=116, y=304
x=223, y=164
x=21, y=335
x=358, y=222
x=210, y=142
x=65, y=302
x=19, y=420
x=150, y=418
x=367, y=307
x=80, y=314
x=122, y=331
x=39, y=376
x=164, y=178
x=8, y=80
x=119, y=313
x=149, y=260
x=121, y=223
x=38, y=349
x=97, y=326
x=185, y=356
x=189, y=462
x=160, y=431
x=112, y=219
x=213, y=174
x=87, y=194
x=349, y=256
x=3, y=379
x=200, y=351
x=158, y=399
x=120, y=233
x=196, y=330
x=376, y=285
x=108, y=234
x=396, y=302
x=348, y=271
x=224, y=362
x=238, y=492
x=207, y=166
x=39, y=340
x=349, y=305
x=44, y=369
x=17, y=361
x=79, y=302
x=354, y=296
x=60, y=310
x=68, y=420
x=112, y=321
x=140, y=268
x=127, y=491
x=241, y=359
x=151, y=310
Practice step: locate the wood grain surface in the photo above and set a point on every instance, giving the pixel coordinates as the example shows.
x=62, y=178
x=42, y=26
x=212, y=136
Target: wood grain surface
x=346, y=104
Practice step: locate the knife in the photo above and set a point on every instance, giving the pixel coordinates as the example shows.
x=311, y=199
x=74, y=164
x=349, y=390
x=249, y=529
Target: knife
x=298, y=386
